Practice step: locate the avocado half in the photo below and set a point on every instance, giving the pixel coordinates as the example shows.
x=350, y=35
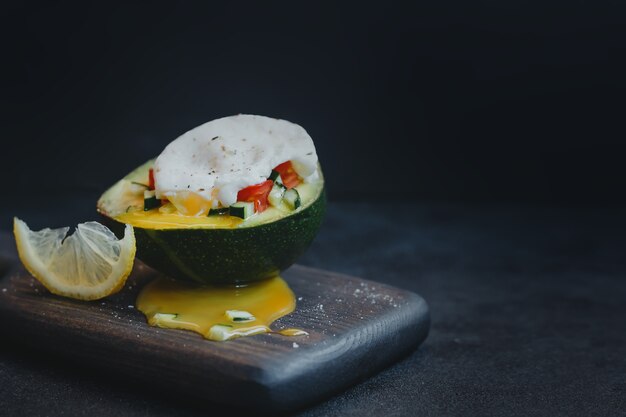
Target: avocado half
x=253, y=251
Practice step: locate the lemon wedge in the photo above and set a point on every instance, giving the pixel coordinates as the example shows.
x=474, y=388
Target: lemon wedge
x=87, y=265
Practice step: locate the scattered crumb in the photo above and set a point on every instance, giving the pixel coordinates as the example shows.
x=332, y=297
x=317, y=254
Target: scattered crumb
x=299, y=298
x=4, y=290
x=368, y=294
x=295, y=345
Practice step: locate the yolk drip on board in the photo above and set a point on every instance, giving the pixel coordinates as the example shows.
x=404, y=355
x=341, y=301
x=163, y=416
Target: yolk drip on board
x=218, y=312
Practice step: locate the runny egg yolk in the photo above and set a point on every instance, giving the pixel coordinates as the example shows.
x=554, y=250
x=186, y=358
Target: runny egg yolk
x=218, y=312
x=190, y=203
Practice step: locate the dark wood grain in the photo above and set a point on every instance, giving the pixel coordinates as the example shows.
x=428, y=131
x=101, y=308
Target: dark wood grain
x=356, y=327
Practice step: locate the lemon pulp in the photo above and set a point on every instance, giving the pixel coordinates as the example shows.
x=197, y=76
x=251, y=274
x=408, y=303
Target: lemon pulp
x=87, y=265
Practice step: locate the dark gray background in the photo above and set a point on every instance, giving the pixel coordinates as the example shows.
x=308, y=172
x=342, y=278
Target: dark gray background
x=433, y=101
x=492, y=130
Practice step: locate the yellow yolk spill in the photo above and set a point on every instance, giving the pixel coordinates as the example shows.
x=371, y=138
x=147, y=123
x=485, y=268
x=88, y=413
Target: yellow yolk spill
x=209, y=310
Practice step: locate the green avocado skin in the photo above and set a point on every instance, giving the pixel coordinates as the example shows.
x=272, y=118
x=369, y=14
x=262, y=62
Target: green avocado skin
x=228, y=256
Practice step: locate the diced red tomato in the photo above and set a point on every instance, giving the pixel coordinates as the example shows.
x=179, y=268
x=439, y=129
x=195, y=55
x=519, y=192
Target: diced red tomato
x=256, y=193
x=151, y=179
x=288, y=174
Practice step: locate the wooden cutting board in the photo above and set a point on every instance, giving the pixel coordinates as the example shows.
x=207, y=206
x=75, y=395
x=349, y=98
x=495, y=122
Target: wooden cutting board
x=356, y=327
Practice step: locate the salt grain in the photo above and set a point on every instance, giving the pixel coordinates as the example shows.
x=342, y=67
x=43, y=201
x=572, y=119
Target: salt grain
x=295, y=345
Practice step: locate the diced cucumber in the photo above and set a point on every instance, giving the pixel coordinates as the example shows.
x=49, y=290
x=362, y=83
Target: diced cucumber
x=239, y=316
x=242, y=209
x=218, y=211
x=150, y=201
x=163, y=319
x=275, y=197
x=275, y=176
x=292, y=198
x=220, y=332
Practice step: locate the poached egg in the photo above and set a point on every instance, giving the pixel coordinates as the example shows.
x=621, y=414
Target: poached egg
x=207, y=166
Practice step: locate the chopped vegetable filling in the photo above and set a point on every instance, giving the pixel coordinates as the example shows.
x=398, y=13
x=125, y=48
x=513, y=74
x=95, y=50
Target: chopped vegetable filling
x=276, y=190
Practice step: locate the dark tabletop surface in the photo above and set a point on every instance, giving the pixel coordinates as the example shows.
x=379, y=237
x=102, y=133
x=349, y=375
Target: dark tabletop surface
x=528, y=312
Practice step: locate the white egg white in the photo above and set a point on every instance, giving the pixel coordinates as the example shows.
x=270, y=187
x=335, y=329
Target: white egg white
x=217, y=159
